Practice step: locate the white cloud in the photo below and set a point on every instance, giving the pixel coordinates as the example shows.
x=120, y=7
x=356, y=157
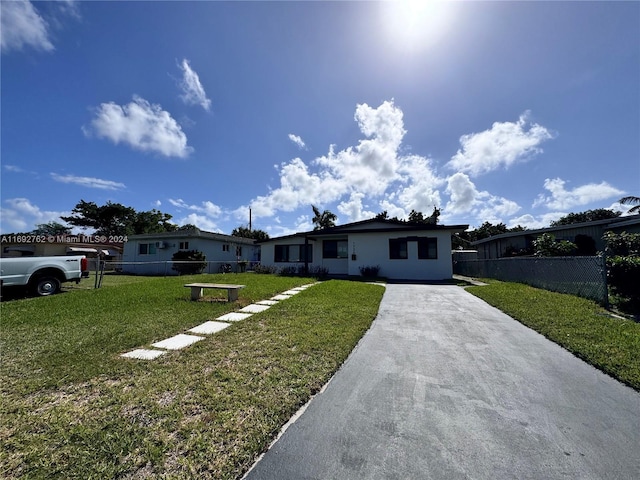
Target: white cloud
x=535, y=222
x=353, y=208
x=13, y=169
x=141, y=125
x=480, y=206
x=463, y=193
x=374, y=168
x=205, y=214
x=562, y=199
x=495, y=209
x=192, y=90
x=297, y=140
x=90, y=182
x=502, y=146
x=21, y=26
x=20, y=215
x=201, y=221
x=206, y=207
x=421, y=193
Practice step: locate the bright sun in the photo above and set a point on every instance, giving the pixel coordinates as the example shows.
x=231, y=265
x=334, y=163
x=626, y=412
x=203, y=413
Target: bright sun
x=416, y=24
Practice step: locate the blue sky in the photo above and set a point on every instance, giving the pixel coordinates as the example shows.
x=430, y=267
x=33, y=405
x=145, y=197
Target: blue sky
x=510, y=112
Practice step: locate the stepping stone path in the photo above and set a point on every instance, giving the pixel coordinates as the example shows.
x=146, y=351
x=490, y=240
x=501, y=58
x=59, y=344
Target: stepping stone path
x=183, y=340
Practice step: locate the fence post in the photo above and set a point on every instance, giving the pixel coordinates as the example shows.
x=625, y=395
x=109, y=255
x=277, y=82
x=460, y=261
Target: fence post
x=603, y=259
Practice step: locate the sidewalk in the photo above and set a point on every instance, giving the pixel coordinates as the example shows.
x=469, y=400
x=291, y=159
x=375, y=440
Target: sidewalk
x=443, y=386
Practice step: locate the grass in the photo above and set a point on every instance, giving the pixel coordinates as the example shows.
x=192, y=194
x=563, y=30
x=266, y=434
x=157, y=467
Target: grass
x=73, y=408
x=581, y=326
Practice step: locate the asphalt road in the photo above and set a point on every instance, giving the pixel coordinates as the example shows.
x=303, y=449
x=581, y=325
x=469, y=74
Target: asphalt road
x=444, y=386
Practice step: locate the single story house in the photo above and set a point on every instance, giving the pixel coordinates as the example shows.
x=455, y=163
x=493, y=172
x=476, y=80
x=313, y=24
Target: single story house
x=402, y=251
x=502, y=245
x=151, y=253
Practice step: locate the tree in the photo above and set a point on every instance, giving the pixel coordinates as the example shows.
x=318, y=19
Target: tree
x=51, y=228
x=546, y=245
x=382, y=216
x=323, y=220
x=623, y=269
x=115, y=219
x=187, y=227
x=586, y=216
x=631, y=201
x=415, y=217
x=418, y=217
x=244, y=232
x=486, y=230
x=152, y=221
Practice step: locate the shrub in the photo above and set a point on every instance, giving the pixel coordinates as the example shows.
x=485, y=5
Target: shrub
x=265, y=269
x=370, y=271
x=187, y=262
x=623, y=269
x=289, y=271
x=546, y=245
x=623, y=274
x=622, y=244
x=319, y=272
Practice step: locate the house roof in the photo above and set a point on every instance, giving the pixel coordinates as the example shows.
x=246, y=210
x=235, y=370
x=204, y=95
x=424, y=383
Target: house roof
x=372, y=225
x=193, y=233
x=607, y=223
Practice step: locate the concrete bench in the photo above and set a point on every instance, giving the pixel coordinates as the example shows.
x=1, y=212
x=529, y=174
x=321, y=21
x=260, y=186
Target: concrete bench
x=197, y=288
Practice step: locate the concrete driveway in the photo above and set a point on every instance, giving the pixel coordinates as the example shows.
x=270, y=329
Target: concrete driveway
x=444, y=386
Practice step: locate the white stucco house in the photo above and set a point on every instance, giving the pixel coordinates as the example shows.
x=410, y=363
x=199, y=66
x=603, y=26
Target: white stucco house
x=151, y=254
x=403, y=251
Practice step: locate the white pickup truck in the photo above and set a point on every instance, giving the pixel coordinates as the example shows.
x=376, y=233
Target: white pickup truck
x=42, y=275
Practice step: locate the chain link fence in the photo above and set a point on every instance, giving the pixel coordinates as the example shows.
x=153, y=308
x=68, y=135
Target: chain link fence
x=165, y=268
x=582, y=276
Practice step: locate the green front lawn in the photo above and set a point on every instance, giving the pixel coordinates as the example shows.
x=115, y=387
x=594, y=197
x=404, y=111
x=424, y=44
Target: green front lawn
x=73, y=408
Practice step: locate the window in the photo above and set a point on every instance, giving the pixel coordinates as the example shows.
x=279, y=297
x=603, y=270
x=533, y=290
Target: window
x=427, y=248
x=292, y=253
x=147, y=248
x=184, y=245
x=238, y=251
x=225, y=248
x=335, y=249
x=398, y=249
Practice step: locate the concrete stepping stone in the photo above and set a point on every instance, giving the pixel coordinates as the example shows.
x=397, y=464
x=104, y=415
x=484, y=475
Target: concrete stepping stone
x=207, y=328
x=281, y=297
x=177, y=342
x=234, y=317
x=291, y=292
x=253, y=308
x=143, y=354
x=267, y=302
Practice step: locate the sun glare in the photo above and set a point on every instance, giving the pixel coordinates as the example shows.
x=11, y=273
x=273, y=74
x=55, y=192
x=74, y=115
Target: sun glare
x=416, y=24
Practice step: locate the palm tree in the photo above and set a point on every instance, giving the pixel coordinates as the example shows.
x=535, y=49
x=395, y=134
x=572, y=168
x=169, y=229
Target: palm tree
x=631, y=201
x=323, y=220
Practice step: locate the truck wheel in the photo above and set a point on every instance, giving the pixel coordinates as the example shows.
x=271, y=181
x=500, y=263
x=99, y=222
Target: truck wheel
x=46, y=285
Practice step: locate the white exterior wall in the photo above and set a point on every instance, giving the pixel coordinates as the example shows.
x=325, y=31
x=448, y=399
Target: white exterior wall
x=156, y=262
x=372, y=249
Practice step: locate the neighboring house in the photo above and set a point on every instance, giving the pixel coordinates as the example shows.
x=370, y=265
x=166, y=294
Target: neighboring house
x=91, y=246
x=151, y=254
x=502, y=245
x=403, y=251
